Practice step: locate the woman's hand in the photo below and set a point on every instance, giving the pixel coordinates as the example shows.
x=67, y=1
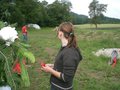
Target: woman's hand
x=47, y=68
x=50, y=65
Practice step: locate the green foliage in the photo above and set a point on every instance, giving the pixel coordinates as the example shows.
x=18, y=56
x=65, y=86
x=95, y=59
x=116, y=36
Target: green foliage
x=25, y=53
x=34, y=11
x=24, y=74
x=58, y=12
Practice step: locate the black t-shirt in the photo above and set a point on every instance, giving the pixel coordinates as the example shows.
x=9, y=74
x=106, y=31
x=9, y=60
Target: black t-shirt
x=66, y=62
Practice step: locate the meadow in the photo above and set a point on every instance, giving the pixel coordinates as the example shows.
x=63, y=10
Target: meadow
x=93, y=72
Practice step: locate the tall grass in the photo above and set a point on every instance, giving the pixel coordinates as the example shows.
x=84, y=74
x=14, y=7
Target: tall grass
x=93, y=72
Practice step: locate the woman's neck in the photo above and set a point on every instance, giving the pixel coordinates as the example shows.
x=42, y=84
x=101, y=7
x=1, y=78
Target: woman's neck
x=64, y=42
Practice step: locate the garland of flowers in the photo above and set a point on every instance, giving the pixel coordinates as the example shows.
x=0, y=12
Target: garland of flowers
x=13, y=55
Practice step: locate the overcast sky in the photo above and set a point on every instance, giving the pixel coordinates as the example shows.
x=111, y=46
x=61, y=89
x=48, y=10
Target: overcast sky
x=81, y=7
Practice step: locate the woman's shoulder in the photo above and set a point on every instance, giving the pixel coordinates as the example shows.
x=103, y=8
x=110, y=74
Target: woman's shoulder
x=71, y=50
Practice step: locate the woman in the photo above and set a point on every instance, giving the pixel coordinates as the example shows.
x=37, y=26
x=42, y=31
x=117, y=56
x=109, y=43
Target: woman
x=66, y=61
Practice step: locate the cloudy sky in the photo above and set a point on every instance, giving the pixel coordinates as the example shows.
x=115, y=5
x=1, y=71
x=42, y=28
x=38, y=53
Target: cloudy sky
x=81, y=7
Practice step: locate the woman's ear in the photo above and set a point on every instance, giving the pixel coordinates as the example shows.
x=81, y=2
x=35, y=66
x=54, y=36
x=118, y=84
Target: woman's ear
x=60, y=34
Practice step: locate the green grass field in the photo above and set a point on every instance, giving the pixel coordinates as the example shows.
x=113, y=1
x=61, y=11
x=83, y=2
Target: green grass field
x=93, y=72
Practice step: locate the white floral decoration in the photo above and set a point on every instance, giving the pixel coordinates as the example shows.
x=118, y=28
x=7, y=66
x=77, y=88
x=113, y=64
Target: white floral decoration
x=8, y=34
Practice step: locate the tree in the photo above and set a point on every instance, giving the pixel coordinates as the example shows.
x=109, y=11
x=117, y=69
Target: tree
x=58, y=11
x=96, y=11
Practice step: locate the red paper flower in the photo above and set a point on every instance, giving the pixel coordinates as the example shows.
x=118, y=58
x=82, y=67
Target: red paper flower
x=17, y=68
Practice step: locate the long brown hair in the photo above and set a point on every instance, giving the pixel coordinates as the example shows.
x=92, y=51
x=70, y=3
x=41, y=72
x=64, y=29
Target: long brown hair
x=68, y=30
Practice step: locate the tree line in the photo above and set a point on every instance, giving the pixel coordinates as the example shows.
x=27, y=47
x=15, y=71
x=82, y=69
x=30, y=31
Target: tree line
x=40, y=12
x=34, y=11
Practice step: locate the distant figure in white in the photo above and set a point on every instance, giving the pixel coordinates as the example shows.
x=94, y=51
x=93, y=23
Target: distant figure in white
x=113, y=53
x=107, y=52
